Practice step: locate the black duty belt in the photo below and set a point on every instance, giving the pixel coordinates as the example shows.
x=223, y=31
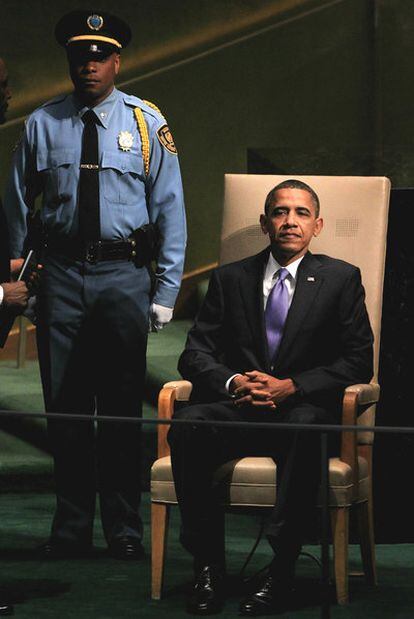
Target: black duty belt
x=94, y=251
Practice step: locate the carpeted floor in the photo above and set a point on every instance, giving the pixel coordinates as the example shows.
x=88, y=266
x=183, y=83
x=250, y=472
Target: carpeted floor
x=101, y=587
x=104, y=588
x=24, y=457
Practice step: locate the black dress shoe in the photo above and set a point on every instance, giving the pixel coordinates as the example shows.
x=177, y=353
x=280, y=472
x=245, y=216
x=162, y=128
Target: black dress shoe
x=5, y=609
x=63, y=550
x=126, y=548
x=207, y=596
x=269, y=597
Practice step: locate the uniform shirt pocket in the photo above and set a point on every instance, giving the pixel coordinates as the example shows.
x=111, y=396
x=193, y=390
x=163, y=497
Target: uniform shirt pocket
x=121, y=173
x=56, y=168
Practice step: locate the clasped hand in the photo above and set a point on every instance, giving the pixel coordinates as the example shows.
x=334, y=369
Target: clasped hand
x=260, y=389
x=32, y=277
x=16, y=293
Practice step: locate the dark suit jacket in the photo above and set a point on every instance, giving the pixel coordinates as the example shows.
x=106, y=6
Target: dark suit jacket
x=4, y=260
x=327, y=340
x=4, y=248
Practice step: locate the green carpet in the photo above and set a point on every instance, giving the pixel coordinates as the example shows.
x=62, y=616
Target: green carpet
x=101, y=587
x=20, y=389
x=24, y=457
x=104, y=588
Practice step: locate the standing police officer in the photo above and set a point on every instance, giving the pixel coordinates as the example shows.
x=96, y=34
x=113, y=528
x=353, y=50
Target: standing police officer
x=106, y=166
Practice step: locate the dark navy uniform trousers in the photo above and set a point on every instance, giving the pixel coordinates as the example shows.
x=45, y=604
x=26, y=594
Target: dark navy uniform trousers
x=92, y=336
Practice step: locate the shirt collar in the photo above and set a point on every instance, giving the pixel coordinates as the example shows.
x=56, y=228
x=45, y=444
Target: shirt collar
x=273, y=267
x=103, y=111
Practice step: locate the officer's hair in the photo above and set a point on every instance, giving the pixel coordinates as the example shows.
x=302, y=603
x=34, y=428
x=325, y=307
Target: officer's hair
x=292, y=184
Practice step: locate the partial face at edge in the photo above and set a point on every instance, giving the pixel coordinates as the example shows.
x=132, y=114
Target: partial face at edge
x=5, y=92
x=291, y=223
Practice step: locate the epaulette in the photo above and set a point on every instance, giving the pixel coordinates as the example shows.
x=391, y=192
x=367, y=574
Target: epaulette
x=145, y=106
x=163, y=133
x=131, y=99
x=154, y=107
x=55, y=100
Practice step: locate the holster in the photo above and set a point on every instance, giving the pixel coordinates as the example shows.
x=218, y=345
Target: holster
x=147, y=240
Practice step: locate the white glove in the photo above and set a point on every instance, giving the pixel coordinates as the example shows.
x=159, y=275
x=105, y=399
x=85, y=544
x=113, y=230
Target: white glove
x=159, y=316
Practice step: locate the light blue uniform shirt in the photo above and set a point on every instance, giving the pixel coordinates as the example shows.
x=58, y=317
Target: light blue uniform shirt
x=48, y=160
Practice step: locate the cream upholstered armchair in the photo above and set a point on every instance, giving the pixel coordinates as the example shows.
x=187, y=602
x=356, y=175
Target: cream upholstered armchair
x=355, y=213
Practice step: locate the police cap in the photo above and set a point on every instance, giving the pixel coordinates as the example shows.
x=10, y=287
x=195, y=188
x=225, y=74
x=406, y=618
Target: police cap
x=92, y=32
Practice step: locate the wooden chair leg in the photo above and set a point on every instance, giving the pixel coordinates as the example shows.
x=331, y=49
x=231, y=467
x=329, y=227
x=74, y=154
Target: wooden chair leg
x=340, y=536
x=367, y=541
x=160, y=514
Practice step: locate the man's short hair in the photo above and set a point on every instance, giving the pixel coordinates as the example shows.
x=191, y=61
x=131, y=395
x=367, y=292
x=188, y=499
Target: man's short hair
x=292, y=184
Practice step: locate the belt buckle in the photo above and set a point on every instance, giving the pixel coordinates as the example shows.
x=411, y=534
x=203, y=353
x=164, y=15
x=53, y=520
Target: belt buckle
x=93, y=252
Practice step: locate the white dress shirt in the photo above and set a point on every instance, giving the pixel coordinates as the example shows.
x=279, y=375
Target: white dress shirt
x=269, y=280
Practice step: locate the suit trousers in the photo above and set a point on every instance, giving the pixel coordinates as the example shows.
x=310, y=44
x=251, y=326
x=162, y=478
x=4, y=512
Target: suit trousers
x=92, y=336
x=196, y=452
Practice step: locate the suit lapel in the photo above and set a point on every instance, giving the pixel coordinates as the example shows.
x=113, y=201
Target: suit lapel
x=307, y=287
x=251, y=291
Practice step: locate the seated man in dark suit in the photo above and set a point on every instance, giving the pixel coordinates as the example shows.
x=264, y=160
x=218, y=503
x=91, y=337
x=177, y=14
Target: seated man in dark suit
x=278, y=338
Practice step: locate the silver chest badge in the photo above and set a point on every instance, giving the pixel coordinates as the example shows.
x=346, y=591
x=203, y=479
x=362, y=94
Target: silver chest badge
x=125, y=140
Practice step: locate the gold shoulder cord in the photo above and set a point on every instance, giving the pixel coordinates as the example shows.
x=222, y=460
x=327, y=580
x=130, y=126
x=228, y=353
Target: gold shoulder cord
x=154, y=107
x=143, y=132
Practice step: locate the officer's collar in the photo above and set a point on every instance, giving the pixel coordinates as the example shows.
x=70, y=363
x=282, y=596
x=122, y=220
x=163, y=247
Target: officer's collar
x=103, y=110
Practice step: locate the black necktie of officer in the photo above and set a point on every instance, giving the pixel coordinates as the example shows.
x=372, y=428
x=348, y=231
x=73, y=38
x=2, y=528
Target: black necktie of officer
x=89, y=223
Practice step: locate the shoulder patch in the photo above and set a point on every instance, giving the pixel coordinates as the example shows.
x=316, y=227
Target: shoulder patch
x=165, y=138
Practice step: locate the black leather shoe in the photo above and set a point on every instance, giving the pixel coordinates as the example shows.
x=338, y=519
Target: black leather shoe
x=207, y=595
x=269, y=597
x=59, y=550
x=126, y=548
x=5, y=609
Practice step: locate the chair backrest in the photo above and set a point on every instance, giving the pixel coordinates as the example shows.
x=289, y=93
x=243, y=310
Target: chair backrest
x=355, y=214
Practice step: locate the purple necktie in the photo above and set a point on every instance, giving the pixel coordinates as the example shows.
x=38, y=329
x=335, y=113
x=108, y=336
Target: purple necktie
x=277, y=307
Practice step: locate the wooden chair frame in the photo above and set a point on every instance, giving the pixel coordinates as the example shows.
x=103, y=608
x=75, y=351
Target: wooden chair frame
x=357, y=398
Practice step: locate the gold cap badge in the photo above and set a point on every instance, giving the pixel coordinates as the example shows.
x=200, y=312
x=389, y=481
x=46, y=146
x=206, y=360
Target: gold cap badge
x=95, y=22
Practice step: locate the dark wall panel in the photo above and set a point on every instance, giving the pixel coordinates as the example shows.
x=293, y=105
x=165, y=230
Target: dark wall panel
x=395, y=96
x=303, y=85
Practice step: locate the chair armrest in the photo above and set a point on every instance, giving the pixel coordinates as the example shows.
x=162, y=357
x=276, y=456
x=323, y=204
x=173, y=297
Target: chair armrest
x=366, y=393
x=356, y=397
x=177, y=390
x=182, y=388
